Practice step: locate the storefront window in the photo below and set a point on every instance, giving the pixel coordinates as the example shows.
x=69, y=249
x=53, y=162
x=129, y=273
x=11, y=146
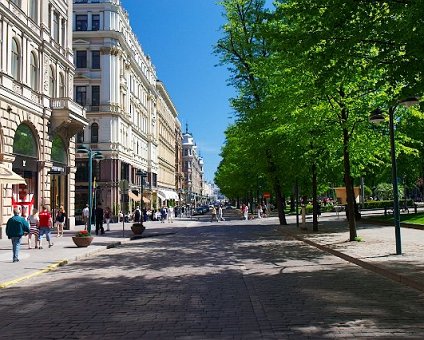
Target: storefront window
x=24, y=143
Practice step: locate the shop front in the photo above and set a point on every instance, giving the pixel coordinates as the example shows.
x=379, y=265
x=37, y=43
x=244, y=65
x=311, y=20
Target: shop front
x=26, y=165
x=59, y=177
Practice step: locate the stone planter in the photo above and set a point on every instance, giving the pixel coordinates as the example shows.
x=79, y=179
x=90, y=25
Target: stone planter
x=137, y=228
x=82, y=241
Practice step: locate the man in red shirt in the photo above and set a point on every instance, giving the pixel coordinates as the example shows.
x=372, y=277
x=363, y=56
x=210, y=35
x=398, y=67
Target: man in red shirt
x=45, y=223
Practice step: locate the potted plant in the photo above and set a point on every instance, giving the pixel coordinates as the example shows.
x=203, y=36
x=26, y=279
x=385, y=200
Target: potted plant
x=82, y=238
x=137, y=228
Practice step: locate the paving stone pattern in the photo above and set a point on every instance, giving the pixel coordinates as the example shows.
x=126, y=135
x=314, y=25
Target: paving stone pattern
x=228, y=281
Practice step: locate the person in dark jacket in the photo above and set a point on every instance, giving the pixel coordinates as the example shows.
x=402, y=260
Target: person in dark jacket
x=16, y=227
x=99, y=219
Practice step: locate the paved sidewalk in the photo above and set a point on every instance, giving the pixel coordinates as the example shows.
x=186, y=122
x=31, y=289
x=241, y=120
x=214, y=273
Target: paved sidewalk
x=37, y=261
x=376, y=251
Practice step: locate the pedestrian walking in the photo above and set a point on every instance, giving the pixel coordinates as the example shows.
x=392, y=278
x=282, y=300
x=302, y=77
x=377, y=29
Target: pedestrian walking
x=108, y=215
x=245, y=211
x=171, y=214
x=86, y=216
x=44, y=225
x=16, y=227
x=60, y=221
x=99, y=219
x=163, y=214
x=220, y=213
x=137, y=215
x=259, y=211
x=33, y=228
x=214, y=217
x=264, y=210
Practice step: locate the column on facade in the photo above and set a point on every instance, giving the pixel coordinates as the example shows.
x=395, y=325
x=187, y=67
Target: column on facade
x=106, y=76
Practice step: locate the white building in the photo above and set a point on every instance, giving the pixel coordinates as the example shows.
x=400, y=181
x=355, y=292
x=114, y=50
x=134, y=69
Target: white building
x=116, y=82
x=193, y=170
x=37, y=115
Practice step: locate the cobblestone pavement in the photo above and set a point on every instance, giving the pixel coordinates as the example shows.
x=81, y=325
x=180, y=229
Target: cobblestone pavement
x=233, y=280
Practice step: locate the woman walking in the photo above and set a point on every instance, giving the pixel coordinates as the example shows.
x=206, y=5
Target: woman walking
x=108, y=214
x=44, y=225
x=60, y=221
x=33, y=228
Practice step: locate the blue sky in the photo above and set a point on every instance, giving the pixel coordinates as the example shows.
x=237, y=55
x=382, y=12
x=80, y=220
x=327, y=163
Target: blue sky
x=179, y=35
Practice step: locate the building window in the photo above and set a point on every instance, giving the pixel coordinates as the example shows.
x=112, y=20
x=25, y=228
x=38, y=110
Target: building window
x=61, y=85
x=17, y=2
x=80, y=137
x=95, y=22
x=95, y=95
x=15, y=60
x=94, y=133
x=81, y=95
x=81, y=60
x=95, y=60
x=81, y=22
x=56, y=27
x=63, y=42
x=33, y=10
x=52, y=82
x=33, y=72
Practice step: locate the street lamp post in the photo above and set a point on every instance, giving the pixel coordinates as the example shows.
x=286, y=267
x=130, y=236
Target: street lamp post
x=91, y=156
x=142, y=175
x=377, y=116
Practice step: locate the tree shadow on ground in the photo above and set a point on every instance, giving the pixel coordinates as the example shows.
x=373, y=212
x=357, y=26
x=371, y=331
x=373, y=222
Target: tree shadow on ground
x=211, y=282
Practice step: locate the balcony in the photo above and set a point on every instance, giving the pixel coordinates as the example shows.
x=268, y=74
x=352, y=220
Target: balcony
x=67, y=117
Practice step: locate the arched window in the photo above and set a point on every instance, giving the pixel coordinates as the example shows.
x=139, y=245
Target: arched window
x=59, y=154
x=15, y=60
x=24, y=142
x=34, y=72
x=52, y=82
x=33, y=9
x=61, y=85
x=94, y=133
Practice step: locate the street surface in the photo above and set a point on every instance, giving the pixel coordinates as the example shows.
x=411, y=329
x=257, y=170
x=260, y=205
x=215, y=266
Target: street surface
x=227, y=280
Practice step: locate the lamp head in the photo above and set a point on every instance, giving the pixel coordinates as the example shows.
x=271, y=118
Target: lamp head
x=408, y=102
x=82, y=149
x=377, y=116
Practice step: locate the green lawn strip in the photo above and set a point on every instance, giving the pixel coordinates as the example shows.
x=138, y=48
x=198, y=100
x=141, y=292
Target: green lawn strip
x=409, y=218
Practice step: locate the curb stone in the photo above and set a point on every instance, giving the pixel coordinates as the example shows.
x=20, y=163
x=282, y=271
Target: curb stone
x=61, y=263
x=366, y=265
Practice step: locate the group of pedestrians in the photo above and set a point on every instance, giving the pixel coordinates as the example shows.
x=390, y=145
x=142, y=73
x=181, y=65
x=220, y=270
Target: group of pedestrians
x=36, y=226
x=217, y=214
x=101, y=215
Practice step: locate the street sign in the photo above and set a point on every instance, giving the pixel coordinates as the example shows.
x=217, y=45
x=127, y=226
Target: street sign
x=267, y=195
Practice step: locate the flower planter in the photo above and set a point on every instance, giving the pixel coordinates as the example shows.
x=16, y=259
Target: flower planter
x=82, y=241
x=137, y=228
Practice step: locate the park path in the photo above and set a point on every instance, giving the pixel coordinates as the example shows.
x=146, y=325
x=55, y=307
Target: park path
x=232, y=280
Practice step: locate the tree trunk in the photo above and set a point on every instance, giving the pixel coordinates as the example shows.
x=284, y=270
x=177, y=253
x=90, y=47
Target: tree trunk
x=314, y=198
x=350, y=194
x=280, y=203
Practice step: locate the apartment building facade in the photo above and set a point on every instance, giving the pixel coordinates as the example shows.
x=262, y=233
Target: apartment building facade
x=38, y=118
x=116, y=82
x=167, y=124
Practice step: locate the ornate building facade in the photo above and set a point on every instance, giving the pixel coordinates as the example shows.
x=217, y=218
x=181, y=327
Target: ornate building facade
x=167, y=124
x=38, y=118
x=132, y=118
x=193, y=170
